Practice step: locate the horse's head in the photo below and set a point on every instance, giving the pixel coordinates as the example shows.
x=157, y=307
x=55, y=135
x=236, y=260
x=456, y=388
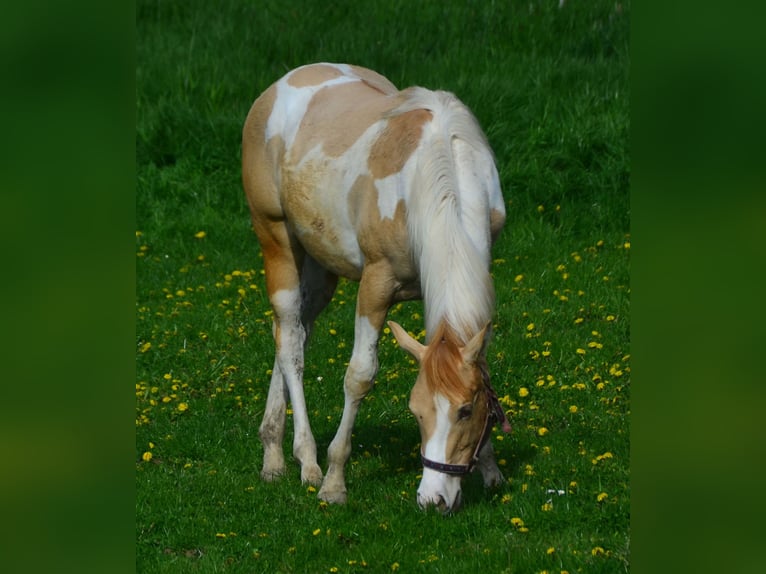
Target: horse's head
x=452, y=402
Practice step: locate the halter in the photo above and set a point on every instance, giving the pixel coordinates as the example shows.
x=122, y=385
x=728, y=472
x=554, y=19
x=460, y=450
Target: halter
x=495, y=413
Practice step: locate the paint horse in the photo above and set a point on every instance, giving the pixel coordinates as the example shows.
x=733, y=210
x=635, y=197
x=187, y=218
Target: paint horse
x=345, y=175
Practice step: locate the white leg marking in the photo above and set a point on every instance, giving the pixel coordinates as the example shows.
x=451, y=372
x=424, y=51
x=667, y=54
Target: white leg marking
x=272, y=429
x=292, y=336
x=357, y=383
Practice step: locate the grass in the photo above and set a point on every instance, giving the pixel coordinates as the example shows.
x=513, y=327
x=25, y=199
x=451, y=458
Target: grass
x=550, y=88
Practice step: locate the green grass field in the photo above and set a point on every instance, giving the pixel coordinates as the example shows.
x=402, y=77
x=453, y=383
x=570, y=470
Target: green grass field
x=550, y=87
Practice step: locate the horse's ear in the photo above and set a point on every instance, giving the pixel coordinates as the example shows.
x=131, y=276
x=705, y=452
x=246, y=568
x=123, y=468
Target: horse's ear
x=406, y=342
x=477, y=345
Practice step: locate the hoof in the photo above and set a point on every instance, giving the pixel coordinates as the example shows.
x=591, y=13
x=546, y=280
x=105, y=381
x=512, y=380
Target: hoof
x=270, y=475
x=337, y=497
x=493, y=479
x=311, y=475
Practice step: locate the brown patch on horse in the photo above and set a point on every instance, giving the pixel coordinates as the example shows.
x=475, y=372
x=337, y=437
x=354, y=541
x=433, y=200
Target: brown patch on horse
x=313, y=75
x=337, y=116
x=375, y=80
x=396, y=144
x=260, y=159
x=383, y=237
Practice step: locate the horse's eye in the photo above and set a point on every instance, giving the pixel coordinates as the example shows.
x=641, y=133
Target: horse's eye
x=464, y=412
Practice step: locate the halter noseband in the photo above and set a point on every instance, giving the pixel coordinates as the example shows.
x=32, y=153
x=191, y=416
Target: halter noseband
x=495, y=413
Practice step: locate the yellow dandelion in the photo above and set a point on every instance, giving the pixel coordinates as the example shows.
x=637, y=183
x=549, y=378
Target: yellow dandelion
x=517, y=522
x=200, y=234
x=394, y=567
x=547, y=507
x=602, y=496
x=523, y=392
x=597, y=551
x=145, y=347
x=182, y=407
x=147, y=456
x=550, y=550
x=518, y=278
x=542, y=431
x=573, y=409
x=531, y=327
x=580, y=351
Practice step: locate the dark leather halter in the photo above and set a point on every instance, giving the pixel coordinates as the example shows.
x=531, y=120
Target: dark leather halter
x=495, y=414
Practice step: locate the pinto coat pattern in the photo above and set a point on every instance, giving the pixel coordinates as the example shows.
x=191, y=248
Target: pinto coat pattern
x=345, y=175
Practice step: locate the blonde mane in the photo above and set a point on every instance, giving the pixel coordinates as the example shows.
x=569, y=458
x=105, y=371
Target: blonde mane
x=448, y=218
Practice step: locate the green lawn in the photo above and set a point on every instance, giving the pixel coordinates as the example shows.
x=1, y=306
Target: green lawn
x=550, y=87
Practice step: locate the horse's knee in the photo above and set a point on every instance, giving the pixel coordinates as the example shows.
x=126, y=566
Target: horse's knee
x=359, y=380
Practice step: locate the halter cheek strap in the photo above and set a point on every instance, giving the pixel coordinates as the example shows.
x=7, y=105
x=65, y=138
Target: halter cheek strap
x=495, y=413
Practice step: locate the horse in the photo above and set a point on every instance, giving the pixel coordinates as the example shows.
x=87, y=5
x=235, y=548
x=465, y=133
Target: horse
x=347, y=176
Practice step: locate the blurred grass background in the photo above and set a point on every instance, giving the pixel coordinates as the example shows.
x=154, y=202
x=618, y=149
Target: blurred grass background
x=69, y=309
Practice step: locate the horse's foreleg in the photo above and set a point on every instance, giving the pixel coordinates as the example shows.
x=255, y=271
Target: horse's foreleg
x=488, y=466
x=371, y=307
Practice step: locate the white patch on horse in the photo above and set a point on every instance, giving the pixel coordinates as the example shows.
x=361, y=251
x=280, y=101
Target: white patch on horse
x=436, y=449
x=291, y=104
x=389, y=193
x=395, y=187
x=435, y=485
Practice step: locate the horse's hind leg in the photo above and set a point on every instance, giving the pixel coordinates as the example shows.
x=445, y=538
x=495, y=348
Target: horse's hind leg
x=272, y=429
x=283, y=259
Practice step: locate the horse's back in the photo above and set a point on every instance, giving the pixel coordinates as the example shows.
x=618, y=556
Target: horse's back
x=305, y=153
x=332, y=152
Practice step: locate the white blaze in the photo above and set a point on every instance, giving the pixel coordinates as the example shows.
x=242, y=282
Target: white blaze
x=435, y=485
